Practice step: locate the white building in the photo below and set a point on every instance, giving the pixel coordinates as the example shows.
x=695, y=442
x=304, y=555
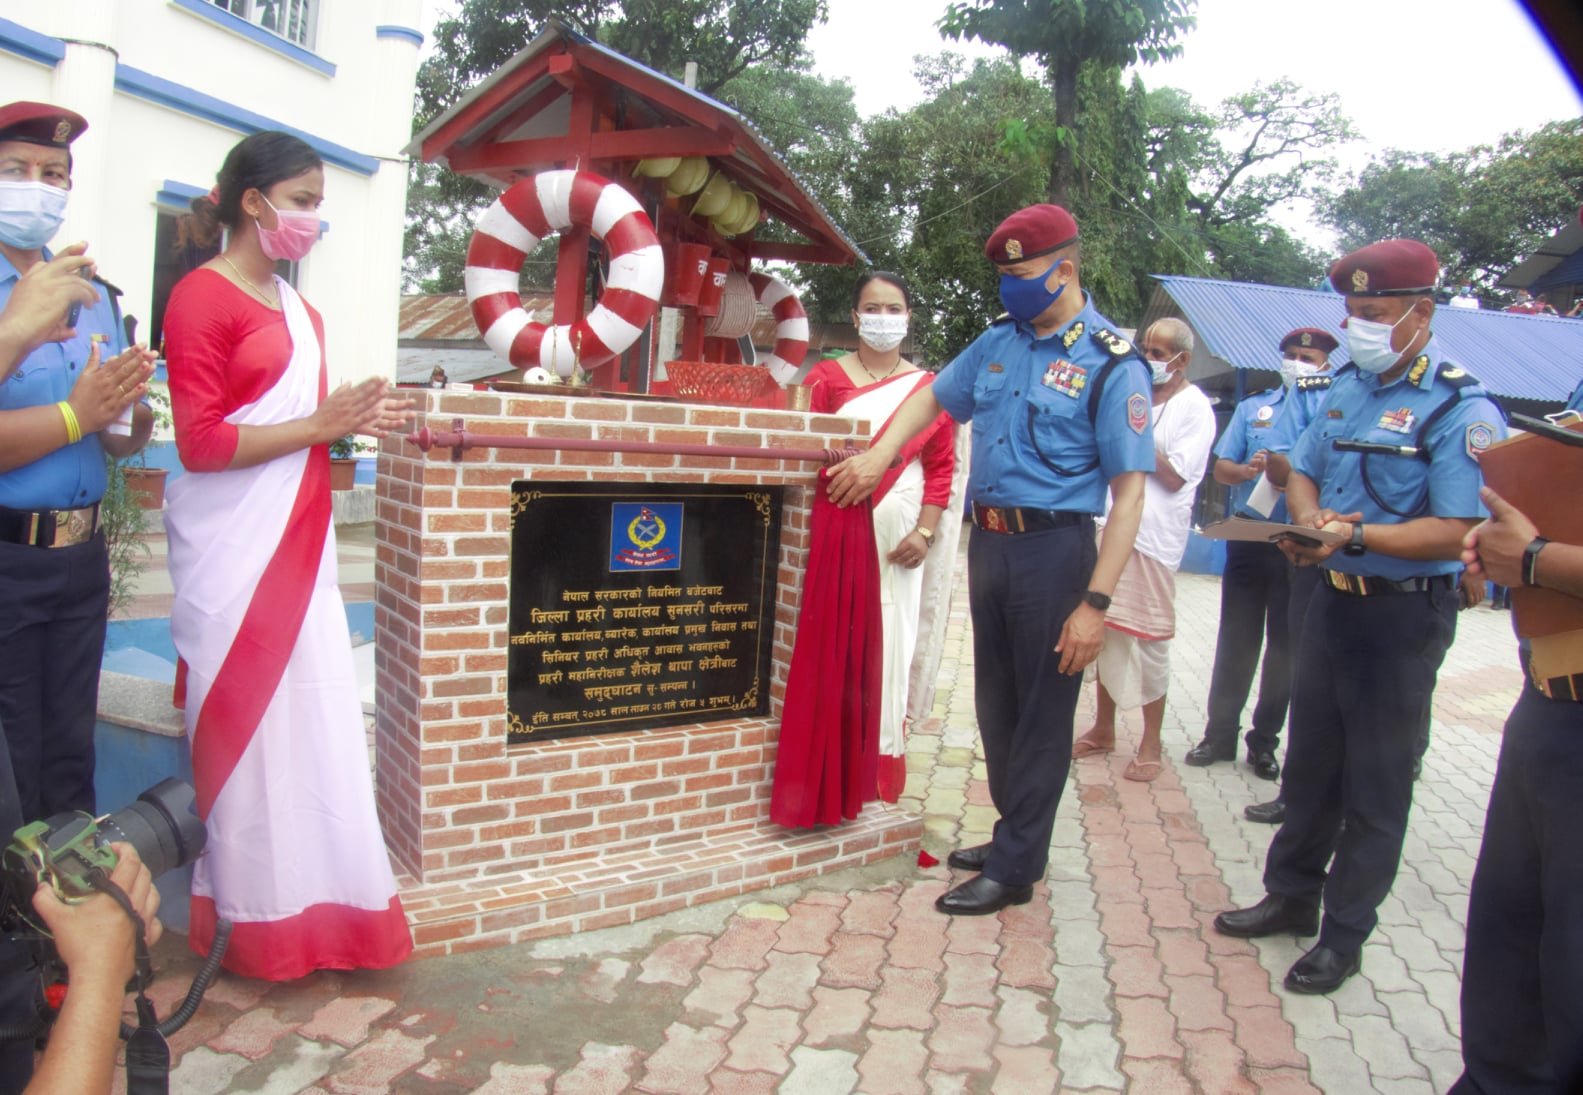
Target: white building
x=169, y=86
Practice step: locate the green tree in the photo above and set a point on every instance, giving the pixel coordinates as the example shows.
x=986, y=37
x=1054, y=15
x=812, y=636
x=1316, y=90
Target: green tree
x=1483, y=210
x=1065, y=35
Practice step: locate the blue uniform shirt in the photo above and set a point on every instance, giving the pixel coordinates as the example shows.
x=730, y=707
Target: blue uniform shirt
x=1302, y=407
x=1576, y=402
x=1252, y=427
x=1028, y=400
x=1359, y=408
x=72, y=475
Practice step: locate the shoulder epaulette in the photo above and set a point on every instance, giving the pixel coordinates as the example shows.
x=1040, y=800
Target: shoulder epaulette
x=1112, y=343
x=112, y=288
x=1314, y=383
x=1004, y=317
x=1456, y=376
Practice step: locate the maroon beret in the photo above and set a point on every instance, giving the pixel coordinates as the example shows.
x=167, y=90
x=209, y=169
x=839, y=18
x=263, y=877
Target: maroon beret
x=1311, y=338
x=1387, y=269
x=1030, y=232
x=40, y=123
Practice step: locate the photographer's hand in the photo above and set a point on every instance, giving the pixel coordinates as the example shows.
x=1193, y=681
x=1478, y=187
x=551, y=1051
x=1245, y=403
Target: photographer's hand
x=95, y=940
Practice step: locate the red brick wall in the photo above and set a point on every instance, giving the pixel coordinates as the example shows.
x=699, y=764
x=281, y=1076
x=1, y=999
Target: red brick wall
x=456, y=802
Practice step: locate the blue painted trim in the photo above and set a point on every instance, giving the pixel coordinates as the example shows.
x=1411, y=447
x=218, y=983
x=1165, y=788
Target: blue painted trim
x=185, y=100
x=177, y=195
x=17, y=39
x=266, y=38
x=413, y=36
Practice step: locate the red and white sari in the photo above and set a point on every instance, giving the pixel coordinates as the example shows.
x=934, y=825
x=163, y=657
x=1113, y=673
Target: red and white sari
x=295, y=858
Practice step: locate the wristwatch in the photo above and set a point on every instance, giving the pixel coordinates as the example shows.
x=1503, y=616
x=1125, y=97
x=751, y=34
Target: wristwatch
x=1531, y=560
x=1095, y=599
x=926, y=533
x=1355, y=545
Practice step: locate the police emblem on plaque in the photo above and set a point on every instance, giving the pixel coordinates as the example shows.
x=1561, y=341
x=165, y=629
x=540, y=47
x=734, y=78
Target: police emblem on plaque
x=1066, y=378
x=1400, y=420
x=645, y=536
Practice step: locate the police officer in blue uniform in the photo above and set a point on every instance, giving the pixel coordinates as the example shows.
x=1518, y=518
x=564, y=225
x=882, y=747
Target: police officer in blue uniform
x=1255, y=585
x=1390, y=467
x=1522, y=977
x=55, y=409
x=1060, y=409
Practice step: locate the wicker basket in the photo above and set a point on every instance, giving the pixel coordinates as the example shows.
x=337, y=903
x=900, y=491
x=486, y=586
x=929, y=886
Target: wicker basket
x=713, y=382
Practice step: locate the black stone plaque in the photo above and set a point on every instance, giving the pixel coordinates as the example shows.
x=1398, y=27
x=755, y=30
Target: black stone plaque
x=639, y=605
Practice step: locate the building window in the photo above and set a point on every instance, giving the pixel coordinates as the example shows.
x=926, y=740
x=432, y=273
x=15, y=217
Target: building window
x=293, y=20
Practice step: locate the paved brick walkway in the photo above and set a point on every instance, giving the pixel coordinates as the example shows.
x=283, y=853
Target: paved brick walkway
x=1109, y=981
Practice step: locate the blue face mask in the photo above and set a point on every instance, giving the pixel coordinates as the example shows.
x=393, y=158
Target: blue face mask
x=1027, y=298
x=30, y=213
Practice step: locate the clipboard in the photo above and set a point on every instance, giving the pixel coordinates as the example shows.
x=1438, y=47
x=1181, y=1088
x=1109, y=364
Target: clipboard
x=1267, y=532
x=1539, y=475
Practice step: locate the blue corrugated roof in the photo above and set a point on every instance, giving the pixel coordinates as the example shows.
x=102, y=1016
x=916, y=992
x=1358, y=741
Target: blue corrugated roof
x=1516, y=356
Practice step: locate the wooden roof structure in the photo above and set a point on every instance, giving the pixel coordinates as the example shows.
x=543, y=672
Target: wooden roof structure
x=565, y=100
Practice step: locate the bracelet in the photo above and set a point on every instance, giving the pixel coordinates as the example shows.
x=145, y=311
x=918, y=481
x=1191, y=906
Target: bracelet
x=73, y=429
x=1531, y=560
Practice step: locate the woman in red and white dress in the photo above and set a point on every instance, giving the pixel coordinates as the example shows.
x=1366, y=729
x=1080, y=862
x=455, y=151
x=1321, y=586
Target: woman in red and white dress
x=831, y=740
x=295, y=858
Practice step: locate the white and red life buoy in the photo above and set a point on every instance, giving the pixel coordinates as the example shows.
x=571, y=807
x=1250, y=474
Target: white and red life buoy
x=524, y=214
x=791, y=326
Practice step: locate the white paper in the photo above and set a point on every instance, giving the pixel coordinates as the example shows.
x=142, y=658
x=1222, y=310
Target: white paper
x=1265, y=495
x=123, y=425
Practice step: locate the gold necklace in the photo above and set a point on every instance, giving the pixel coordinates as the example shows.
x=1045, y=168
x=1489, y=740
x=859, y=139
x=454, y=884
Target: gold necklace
x=871, y=374
x=272, y=301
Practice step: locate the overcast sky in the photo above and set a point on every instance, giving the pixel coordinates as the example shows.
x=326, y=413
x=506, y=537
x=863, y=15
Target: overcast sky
x=1425, y=75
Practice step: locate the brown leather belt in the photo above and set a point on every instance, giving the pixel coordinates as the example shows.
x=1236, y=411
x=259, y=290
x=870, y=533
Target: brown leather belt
x=1012, y=520
x=49, y=528
x=1360, y=586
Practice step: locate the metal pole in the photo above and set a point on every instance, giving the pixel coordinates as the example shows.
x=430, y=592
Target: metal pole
x=458, y=439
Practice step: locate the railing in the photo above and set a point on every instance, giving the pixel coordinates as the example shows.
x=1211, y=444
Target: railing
x=458, y=439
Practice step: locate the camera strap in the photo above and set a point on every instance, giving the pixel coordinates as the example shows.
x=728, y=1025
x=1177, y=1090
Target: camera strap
x=147, y=1052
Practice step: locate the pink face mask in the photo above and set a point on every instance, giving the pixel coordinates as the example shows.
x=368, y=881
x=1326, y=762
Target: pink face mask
x=294, y=234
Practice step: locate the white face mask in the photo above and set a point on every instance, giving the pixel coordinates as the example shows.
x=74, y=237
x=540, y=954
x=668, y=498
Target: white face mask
x=1294, y=369
x=1160, y=371
x=1370, y=344
x=881, y=331
x=30, y=213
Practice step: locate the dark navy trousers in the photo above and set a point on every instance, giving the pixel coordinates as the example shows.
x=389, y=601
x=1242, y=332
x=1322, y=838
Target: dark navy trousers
x=1522, y=979
x=1021, y=589
x=1254, y=591
x=19, y=977
x=51, y=644
x=1361, y=694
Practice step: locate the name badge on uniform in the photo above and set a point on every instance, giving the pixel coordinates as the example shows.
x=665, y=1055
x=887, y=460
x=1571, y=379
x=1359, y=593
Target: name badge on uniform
x=1400, y=420
x=996, y=367
x=1066, y=378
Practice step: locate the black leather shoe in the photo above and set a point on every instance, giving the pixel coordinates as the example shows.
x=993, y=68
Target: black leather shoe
x=981, y=896
x=1264, y=764
x=970, y=859
x=1269, y=813
x=1207, y=752
x=1322, y=970
x=1272, y=916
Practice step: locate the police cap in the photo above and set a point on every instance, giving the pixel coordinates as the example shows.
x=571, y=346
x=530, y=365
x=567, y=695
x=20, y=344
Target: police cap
x=1030, y=232
x=40, y=123
x=1390, y=268
x=1311, y=338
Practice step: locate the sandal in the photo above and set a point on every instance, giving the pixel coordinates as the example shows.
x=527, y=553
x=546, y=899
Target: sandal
x=1143, y=771
x=1082, y=747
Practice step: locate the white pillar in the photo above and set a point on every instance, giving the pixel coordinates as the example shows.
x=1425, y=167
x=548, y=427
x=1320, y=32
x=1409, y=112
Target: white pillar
x=389, y=129
x=85, y=82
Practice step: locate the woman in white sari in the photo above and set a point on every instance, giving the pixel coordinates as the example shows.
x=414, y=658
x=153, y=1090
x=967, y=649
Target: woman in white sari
x=871, y=384
x=295, y=858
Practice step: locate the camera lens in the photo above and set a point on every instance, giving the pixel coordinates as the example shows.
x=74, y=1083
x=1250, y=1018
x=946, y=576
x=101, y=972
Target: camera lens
x=162, y=825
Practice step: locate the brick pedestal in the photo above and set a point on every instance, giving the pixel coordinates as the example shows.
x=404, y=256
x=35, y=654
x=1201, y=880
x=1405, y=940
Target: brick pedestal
x=510, y=842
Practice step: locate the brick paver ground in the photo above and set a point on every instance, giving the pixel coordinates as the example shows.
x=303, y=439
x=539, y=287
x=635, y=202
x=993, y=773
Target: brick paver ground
x=1109, y=981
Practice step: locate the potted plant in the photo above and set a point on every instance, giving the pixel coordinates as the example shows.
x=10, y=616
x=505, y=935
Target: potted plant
x=144, y=484
x=124, y=521
x=343, y=462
